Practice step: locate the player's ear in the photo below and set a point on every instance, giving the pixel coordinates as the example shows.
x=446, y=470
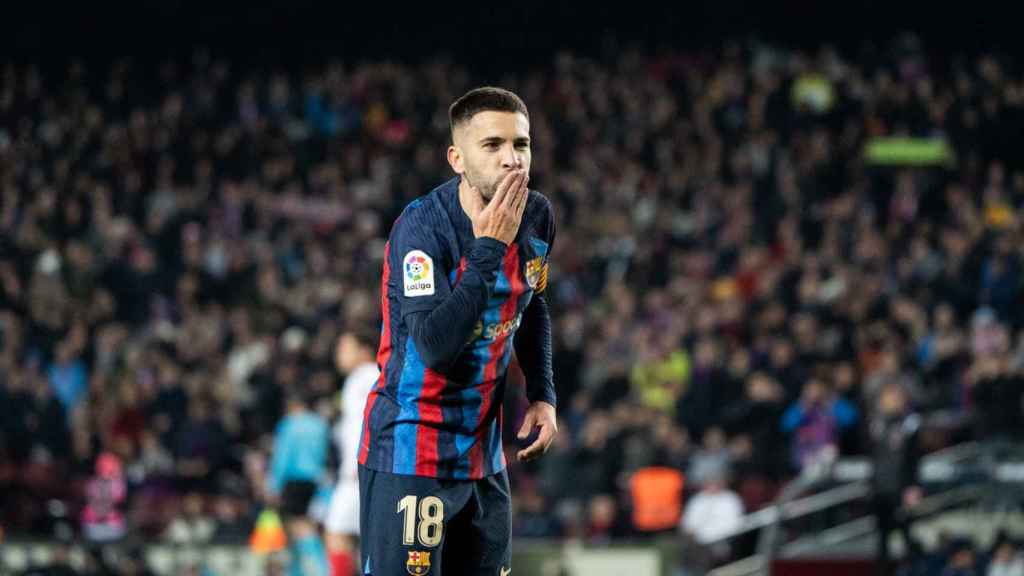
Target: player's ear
x=455, y=159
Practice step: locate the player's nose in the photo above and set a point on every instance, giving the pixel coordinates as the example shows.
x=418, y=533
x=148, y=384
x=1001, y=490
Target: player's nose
x=511, y=159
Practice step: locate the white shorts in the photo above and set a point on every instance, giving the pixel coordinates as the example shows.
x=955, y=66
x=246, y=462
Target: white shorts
x=343, y=515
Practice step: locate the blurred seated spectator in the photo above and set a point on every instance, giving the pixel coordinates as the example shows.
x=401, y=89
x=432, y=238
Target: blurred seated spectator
x=103, y=517
x=1006, y=559
x=192, y=525
x=712, y=512
x=711, y=460
x=961, y=559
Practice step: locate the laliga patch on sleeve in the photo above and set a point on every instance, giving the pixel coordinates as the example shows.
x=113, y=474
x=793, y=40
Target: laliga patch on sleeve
x=418, y=274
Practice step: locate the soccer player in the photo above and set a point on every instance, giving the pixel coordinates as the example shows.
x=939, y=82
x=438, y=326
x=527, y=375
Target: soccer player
x=464, y=275
x=354, y=356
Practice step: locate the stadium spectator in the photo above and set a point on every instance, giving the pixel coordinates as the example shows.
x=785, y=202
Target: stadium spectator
x=815, y=423
x=1006, y=560
x=103, y=517
x=714, y=511
x=162, y=228
x=192, y=525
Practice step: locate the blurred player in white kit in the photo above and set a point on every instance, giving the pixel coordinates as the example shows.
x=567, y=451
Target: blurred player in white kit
x=354, y=356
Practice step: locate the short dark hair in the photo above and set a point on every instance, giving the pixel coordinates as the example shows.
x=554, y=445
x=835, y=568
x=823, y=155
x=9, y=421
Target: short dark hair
x=484, y=99
x=366, y=335
x=299, y=397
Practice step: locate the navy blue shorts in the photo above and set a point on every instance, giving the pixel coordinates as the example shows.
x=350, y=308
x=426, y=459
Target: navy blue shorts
x=417, y=525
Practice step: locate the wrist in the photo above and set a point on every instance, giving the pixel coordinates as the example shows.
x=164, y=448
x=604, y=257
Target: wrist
x=486, y=246
x=495, y=238
x=542, y=397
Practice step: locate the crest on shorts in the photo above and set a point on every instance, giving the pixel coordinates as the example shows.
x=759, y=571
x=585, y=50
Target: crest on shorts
x=418, y=563
x=536, y=273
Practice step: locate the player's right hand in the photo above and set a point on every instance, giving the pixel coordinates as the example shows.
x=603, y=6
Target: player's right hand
x=500, y=218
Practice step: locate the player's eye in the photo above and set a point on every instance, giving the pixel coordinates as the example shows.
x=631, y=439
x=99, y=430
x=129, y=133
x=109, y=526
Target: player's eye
x=522, y=145
x=491, y=145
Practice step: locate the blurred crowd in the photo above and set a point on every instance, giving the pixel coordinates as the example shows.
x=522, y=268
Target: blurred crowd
x=959, y=556
x=733, y=282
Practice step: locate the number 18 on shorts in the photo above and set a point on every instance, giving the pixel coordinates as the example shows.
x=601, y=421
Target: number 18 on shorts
x=418, y=525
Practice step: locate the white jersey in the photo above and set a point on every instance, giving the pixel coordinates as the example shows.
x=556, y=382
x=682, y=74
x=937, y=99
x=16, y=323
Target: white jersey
x=711, y=515
x=350, y=426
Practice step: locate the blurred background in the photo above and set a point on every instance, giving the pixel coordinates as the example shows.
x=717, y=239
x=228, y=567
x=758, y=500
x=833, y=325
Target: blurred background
x=788, y=275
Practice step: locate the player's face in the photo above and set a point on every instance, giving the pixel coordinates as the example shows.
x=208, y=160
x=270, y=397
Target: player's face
x=347, y=353
x=491, y=145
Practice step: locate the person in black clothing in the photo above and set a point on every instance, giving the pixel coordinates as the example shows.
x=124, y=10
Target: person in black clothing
x=757, y=416
x=895, y=457
x=998, y=392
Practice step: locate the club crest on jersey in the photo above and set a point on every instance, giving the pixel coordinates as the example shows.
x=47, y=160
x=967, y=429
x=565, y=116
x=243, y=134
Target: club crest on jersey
x=534, y=268
x=418, y=563
x=419, y=273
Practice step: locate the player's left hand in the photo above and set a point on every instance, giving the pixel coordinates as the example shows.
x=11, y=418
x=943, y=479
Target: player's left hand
x=540, y=415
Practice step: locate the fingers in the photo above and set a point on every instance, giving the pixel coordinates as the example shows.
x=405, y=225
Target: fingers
x=540, y=445
x=515, y=193
x=536, y=416
x=521, y=198
x=528, y=421
x=512, y=192
x=516, y=197
x=504, y=187
x=474, y=202
x=530, y=452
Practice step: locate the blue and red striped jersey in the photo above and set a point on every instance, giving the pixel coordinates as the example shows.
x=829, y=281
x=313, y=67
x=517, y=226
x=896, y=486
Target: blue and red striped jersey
x=446, y=423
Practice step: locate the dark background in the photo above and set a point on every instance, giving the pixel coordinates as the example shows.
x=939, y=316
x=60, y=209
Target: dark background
x=490, y=37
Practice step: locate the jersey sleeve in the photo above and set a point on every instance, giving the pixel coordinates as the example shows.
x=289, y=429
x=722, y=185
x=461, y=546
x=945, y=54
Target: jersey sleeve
x=533, y=340
x=440, y=319
x=418, y=264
